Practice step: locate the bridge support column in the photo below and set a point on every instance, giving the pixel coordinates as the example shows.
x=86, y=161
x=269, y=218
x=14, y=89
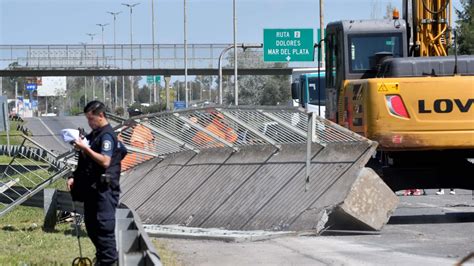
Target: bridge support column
x=167, y=86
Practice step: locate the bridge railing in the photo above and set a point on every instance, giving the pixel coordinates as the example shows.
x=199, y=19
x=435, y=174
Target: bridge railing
x=161, y=134
x=126, y=56
x=120, y=56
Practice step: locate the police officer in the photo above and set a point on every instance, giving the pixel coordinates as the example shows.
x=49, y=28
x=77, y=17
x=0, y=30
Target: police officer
x=96, y=182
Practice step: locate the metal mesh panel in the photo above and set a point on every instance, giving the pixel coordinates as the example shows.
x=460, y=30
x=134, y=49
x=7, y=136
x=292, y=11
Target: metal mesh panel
x=268, y=127
x=182, y=130
x=31, y=169
x=140, y=143
x=196, y=129
x=326, y=131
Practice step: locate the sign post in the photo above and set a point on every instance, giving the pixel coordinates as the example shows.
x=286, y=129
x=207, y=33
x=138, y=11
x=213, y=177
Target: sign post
x=286, y=45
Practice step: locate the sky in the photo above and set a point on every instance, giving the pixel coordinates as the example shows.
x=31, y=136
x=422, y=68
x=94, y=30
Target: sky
x=209, y=21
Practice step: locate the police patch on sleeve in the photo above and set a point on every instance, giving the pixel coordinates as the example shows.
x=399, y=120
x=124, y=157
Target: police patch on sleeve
x=106, y=145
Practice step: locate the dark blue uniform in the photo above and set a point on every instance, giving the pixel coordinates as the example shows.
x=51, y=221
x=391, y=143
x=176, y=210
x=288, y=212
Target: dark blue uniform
x=99, y=189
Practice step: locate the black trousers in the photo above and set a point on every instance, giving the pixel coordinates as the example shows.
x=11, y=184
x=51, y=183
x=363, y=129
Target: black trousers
x=102, y=234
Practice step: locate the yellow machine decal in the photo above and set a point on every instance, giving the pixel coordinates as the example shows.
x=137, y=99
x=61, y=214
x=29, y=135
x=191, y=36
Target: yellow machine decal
x=388, y=87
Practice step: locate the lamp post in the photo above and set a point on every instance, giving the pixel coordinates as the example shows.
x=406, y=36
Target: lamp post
x=321, y=29
x=103, y=59
x=115, y=14
x=243, y=46
x=131, y=6
x=85, y=77
x=236, y=86
x=93, y=77
x=153, y=48
x=185, y=58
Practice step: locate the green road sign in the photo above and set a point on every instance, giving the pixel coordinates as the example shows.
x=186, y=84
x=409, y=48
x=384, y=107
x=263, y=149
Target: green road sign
x=149, y=79
x=285, y=45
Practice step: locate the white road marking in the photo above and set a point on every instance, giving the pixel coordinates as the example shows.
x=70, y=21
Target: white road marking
x=53, y=135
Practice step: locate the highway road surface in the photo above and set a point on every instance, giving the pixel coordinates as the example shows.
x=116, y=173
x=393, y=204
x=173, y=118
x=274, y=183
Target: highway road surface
x=47, y=130
x=424, y=230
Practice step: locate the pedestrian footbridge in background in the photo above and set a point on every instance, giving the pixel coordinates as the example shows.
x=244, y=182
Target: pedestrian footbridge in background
x=135, y=60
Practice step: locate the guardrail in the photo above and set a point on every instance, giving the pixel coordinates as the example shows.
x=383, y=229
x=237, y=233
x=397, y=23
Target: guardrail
x=134, y=246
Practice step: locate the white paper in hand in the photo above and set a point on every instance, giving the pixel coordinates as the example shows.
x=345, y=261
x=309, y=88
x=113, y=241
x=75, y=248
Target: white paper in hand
x=71, y=135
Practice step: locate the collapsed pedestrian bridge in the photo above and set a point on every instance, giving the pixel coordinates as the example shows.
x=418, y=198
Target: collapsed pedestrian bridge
x=244, y=168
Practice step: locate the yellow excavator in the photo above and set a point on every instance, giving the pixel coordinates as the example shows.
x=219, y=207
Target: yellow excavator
x=392, y=81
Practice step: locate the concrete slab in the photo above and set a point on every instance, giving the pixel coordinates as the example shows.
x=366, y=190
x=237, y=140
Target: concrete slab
x=177, y=231
x=368, y=205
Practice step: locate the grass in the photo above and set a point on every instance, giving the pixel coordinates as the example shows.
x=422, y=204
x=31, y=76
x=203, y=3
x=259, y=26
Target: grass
x=34, y=178
x=15, y=135
x=5, y=159
x=23, y=242
x=22, y=239
x=167, y=257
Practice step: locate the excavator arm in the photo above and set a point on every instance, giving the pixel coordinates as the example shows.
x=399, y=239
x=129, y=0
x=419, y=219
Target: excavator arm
x=430, y=26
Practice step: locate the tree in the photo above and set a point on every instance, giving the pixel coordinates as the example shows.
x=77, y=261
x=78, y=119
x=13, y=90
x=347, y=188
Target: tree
x=204, y=84
x=257, y=90
x=143, y=95
x=465, y=28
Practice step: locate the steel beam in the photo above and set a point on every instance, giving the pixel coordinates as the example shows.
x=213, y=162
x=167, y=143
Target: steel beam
x=250, y=128
x=170, y=137
x=214, y=136
x=284, y=123
x=140, y=72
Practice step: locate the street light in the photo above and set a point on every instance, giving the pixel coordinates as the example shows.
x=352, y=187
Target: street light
x=102, y=26
x=92, y=37
x=85, y=77
x=243, y=46
x=153, y=49
x=115, y=14
x=185, y=59
x=103, y=59
x=93, y=77
x=236, y=86
x=131, y=6
x=321, y=28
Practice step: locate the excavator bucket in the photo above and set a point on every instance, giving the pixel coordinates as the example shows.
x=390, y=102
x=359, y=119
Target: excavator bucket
x=244, y=168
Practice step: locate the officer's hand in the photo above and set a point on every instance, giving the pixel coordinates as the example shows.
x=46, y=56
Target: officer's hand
x=70, y=183
x=80, y=144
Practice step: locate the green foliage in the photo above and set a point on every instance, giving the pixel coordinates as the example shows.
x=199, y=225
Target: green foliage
x=155, y=108
x=258, y=90
x=119, y=111
x=465, y=28
x=76, y=110
x=16, y=137
x=144, y=94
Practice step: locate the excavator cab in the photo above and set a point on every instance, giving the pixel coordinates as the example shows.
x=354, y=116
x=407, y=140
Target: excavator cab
x=355, y=49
